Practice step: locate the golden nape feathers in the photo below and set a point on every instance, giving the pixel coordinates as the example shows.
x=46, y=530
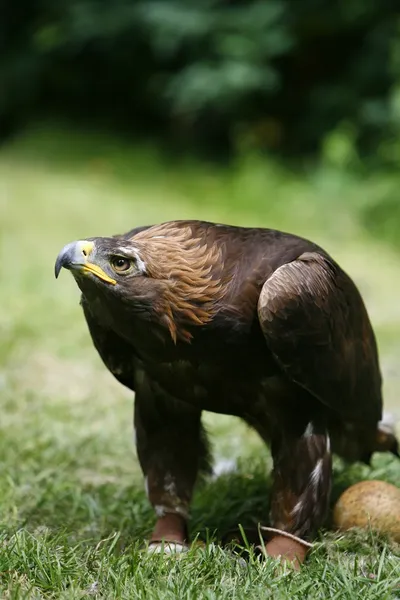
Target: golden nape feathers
x=191, y=270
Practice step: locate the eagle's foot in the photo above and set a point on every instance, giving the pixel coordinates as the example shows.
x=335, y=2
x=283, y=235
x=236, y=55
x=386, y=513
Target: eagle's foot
x=269, y=541
x=169, y=535
x=286, y=546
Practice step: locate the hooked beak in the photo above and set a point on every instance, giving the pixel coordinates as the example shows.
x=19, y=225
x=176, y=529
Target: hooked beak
x=74, y=256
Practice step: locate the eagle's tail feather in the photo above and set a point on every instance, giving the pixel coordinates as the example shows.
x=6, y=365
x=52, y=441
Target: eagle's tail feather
x=386, y=439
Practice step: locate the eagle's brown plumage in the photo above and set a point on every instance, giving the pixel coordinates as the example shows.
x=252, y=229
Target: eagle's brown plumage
x=250, y=322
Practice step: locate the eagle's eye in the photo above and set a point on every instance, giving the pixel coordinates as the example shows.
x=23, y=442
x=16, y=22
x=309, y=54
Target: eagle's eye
x=121, y=264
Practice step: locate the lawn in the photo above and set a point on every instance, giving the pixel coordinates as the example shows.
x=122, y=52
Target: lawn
x=73, y=508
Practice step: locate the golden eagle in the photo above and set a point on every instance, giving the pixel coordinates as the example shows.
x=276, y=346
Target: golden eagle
x=251, y=322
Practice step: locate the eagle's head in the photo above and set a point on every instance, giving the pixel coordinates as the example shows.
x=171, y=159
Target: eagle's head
x=164, y=274
x=102, y=261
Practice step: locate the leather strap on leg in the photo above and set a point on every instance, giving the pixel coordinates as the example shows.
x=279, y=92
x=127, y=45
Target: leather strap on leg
x=170, y=533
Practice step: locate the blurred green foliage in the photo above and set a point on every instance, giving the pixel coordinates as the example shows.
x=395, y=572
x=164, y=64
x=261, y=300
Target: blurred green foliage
x=215, y=75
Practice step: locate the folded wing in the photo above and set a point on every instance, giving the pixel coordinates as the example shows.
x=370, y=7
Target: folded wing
x=316, y=326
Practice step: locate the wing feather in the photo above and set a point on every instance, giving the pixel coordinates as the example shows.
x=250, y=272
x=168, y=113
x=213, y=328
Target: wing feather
x=315, y=323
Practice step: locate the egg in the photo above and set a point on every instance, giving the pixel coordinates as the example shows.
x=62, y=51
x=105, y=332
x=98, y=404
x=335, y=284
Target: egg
x=370, y=504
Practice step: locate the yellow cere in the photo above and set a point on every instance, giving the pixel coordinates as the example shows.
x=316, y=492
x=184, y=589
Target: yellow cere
x=86, y=247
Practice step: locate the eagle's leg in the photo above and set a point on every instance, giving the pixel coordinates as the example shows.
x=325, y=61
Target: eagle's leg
x=172, y=448
x=302, y=482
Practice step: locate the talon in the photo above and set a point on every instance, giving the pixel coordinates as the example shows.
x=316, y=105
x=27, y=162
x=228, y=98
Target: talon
x=172, y=547
x=163, y=547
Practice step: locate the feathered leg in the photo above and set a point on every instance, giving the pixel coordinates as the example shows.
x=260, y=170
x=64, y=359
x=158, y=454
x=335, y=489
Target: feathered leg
x=302, y=483
x=172, y=448
x=318, y=331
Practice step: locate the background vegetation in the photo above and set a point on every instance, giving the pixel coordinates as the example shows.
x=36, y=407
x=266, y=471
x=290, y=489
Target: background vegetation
x=209, y=75
x=105, y=109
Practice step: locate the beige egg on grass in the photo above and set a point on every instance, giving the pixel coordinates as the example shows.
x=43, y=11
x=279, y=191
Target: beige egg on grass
x=371, y=505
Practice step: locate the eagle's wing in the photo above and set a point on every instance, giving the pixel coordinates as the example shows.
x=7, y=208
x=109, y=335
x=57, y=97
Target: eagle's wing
x=117, y=355
x=316, y=326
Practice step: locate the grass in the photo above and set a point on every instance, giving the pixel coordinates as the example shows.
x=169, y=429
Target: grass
x=73, y=511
